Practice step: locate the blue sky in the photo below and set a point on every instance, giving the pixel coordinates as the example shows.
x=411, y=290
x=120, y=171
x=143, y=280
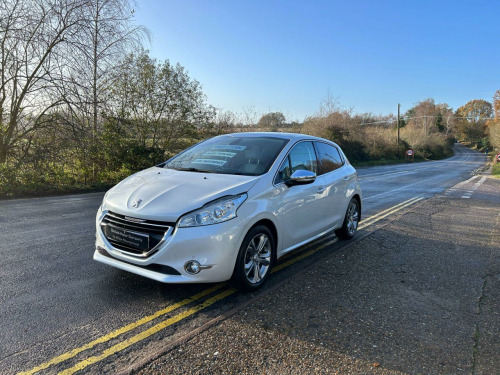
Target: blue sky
x=288, y=55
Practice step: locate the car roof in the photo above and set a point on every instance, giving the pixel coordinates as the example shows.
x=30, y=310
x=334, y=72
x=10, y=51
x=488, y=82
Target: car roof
x=289, y=136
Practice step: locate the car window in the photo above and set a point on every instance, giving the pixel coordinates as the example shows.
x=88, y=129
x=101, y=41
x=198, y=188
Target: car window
x=329, y=157
x=301, y=156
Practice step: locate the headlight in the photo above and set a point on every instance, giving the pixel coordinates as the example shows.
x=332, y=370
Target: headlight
x=219, y=211
x=103, y=204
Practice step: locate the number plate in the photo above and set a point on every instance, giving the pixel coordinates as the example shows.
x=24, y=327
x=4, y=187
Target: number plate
x=126, y=237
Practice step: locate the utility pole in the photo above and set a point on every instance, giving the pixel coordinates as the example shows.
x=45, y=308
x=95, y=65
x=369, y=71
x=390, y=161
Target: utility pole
x=399, y=105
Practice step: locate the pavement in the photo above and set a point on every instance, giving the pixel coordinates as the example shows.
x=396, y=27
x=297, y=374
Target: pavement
x=420, y=295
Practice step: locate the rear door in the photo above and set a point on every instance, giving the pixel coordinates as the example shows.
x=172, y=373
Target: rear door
x=332, y=170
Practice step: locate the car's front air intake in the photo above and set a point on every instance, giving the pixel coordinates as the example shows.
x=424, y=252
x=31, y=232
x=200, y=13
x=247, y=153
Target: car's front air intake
x=134, y=236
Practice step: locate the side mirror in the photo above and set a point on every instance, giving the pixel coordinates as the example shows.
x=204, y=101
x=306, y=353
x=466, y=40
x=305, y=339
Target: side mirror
x=301, y=177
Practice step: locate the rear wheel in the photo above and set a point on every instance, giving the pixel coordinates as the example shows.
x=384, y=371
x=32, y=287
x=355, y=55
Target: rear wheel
x=351, y=221
x=254, y=261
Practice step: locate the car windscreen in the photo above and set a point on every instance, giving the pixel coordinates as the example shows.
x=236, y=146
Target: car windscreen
x=250, y=156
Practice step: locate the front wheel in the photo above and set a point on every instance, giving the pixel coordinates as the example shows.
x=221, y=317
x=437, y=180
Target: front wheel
x=253, y=264
x=351, y=221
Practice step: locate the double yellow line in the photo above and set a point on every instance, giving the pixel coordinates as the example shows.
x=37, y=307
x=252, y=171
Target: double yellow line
x=391, y=210
x=122, y=330
x=180, y=316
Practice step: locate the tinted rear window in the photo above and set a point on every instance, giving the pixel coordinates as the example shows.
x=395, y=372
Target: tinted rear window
x=329, y=157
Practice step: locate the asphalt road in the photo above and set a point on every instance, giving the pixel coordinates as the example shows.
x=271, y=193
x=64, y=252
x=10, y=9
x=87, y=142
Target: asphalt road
x=419, y=295
x=55, y=299
x=384, y=186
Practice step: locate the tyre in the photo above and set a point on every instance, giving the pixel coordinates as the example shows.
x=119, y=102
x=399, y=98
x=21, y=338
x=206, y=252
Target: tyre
x=351, y=221
x=255, y=258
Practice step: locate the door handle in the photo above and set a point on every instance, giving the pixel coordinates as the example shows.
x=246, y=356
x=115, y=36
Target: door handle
x=321, y=189
x=346, y=178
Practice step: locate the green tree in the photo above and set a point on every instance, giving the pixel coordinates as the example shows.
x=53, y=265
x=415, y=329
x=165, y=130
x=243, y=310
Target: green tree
x=272, y=121
x=159, y=101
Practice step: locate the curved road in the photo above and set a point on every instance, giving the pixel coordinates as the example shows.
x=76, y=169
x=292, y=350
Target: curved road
x=385, y=186
x=55, y=301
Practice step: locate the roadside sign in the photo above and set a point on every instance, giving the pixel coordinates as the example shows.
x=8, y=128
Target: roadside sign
x=410, y=155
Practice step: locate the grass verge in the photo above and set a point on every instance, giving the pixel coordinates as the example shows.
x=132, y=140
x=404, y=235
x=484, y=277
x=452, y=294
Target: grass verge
x=495, y=170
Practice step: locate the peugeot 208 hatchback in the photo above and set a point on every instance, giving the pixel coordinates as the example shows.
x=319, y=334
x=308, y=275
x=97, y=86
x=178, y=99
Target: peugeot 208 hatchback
x=228, y=207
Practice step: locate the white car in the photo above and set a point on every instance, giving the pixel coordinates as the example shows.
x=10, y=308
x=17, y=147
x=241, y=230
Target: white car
x=228, y=207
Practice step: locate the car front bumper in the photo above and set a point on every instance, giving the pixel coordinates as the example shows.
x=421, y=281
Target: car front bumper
x=214, y=246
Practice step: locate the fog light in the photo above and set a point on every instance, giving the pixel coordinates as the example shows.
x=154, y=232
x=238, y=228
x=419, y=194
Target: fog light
x=192, y=267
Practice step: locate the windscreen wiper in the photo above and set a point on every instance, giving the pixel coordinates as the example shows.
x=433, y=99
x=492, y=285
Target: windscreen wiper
x=191, y=169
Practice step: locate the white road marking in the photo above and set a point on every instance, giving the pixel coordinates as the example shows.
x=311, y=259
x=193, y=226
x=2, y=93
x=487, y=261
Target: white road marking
x=480, y=181
x=469, y=193
x=466, y=181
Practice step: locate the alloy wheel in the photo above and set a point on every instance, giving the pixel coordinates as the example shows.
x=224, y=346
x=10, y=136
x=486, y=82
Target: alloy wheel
x=352, y=218
x=257, y=258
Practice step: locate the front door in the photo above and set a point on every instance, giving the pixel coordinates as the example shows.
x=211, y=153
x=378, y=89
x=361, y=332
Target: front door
x=301, y=209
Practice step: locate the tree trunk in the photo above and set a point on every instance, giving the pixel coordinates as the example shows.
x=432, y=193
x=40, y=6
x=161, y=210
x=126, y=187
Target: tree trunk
x=3, y=154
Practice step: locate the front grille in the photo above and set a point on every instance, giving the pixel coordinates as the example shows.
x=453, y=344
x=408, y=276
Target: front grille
x=153, y=230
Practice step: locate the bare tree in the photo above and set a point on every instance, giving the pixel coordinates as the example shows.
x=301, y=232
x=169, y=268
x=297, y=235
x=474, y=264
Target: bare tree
x=32, y=34
x=108, y=34
x=430, y=117
x=472, y=120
